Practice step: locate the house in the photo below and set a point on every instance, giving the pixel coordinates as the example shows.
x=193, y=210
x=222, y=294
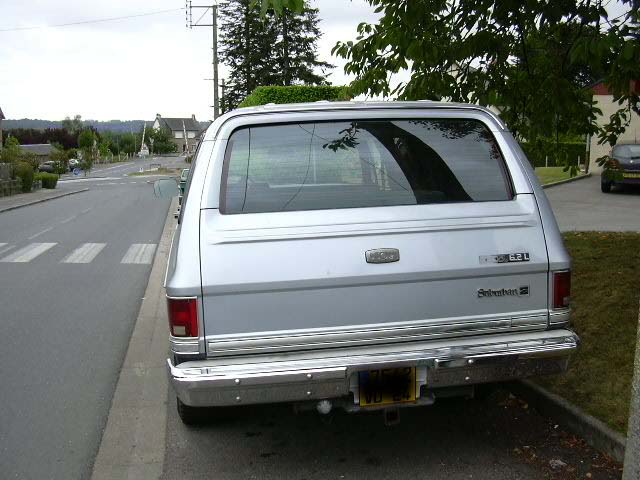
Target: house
x=1, y=118
x=604, y=101
x=179, y=128
x=42, y=151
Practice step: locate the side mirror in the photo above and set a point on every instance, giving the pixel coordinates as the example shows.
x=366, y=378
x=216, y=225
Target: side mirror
x=166, y=188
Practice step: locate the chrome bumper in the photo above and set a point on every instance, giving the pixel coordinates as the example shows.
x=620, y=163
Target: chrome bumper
x=332, y=373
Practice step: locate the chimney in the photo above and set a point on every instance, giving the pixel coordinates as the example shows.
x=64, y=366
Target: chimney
x=193, y=117
x=158, y=116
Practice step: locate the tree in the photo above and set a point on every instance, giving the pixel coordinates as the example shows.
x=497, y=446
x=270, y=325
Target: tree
x=246, y=47
x=87, y=142
x=295, y=52
x=270, y=50
x=11, y=151
x=59, y=156
x=162, y=142
x=528, y=59
x=74, y=126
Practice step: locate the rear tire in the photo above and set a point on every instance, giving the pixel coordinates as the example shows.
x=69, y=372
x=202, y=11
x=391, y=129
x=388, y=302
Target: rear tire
x=605, y=186
x=190, y=415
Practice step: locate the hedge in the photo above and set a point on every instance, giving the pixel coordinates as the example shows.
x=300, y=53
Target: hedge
x=24, y=171
x=49, y=180
x=295, y=94
x=557, y=153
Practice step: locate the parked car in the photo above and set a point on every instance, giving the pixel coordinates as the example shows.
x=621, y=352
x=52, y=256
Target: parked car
x=183, y=180
x=48, y=167
x=362, y=256
x=624, y=169
x=73, y=164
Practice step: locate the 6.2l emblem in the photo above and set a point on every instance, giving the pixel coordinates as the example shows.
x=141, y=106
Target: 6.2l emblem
x=382, y=255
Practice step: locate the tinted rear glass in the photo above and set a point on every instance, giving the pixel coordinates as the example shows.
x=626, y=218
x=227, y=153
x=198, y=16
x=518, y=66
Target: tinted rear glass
x=349, y=164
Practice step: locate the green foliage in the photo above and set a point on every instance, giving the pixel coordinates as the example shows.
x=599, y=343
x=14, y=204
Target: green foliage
x=86, y=139
x=295, y=94
x=10, y=153
x=87, y=142
x=59, y=156
x=74, y=125
x=278, y=6
x=24, y=171
x=557, y=154
x=531, y=60
x=49, y=180
x=161, y=140
x=272, y=50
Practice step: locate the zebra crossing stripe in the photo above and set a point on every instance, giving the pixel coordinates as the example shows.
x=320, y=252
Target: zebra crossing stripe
x=5, y=247
x=139, y=253
x=28, y=253
x=84, y=253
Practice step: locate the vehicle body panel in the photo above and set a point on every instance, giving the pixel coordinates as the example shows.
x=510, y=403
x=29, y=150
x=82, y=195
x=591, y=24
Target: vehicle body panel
x=274, y=286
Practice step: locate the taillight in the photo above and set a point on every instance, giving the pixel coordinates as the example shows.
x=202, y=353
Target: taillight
x=183, y=316
x=561, y=289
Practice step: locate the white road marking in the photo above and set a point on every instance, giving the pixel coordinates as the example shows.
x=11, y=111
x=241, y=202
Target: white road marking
x=5, y=247
x=84, y=253
x=67, y=220
x=28, y=253
x=87, y=210
x=39, y=233
x=139, y=253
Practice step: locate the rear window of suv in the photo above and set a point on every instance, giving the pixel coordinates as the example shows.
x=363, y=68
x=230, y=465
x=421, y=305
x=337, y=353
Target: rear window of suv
x=361, y=163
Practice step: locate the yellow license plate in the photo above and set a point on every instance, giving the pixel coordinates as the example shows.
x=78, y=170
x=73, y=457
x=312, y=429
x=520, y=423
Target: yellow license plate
x=387, y=386
x=631, y=175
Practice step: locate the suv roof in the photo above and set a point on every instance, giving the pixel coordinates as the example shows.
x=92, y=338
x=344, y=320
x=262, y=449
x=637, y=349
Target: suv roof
x=325, y=105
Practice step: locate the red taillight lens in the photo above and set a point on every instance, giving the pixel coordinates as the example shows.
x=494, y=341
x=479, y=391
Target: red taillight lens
x=183, y=317
x=561, y=289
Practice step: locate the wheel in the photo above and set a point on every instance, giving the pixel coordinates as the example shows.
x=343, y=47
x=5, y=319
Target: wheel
x=605, y=186
x=190, y=415
x=194, y=416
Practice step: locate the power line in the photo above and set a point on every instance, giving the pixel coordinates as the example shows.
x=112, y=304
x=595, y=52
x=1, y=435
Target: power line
x=84, y=22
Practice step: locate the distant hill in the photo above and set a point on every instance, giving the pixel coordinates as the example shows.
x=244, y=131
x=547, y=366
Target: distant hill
x=113, y=125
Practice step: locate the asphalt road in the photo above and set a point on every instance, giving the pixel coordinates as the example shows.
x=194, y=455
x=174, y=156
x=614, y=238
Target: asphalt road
x=496, y=438
x=72, y=274
x=581, y=206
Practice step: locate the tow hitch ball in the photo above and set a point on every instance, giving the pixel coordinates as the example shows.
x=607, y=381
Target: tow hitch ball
x=391, y=416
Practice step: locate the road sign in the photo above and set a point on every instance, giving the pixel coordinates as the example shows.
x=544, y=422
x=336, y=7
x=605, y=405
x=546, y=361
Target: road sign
x=76, y=171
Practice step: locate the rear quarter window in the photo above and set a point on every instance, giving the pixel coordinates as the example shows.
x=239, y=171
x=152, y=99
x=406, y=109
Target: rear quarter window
x=361, y=163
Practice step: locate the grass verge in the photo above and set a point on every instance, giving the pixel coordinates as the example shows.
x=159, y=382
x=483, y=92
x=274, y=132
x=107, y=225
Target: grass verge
x=552, y=174
x=605, y=294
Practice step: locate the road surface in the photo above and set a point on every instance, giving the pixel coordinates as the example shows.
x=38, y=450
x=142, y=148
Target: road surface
x=72, y=274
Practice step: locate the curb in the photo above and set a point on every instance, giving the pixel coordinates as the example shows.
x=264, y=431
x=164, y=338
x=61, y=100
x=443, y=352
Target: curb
x=568, y=180
x=34, y=202
x=595, y=432
x=133, y=441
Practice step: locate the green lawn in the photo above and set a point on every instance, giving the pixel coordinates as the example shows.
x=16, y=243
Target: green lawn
x=605, y=294
x=552, y=174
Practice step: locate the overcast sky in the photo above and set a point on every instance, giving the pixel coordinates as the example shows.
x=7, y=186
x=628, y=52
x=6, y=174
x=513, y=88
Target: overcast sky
x=125, y=69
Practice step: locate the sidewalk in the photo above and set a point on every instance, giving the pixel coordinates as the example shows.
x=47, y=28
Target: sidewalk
x=44, y=194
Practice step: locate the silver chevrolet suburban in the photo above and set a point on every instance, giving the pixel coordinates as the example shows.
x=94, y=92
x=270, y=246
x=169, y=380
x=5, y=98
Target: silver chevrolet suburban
x=362, y=256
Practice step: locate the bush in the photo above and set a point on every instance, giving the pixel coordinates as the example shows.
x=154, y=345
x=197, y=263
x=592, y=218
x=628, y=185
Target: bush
x=559, y=154
x=24, y=172
x=49, y=180
x=295, y=94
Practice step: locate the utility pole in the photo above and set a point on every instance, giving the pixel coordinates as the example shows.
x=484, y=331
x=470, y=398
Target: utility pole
x=632, y=450
x=214, y=46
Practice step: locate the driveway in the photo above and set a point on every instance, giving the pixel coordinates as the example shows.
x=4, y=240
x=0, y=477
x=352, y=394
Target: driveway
x=581, y=206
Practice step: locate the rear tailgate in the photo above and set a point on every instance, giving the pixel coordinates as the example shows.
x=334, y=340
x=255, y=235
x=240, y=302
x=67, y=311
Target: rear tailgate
x=291, y=281
x=278, y=280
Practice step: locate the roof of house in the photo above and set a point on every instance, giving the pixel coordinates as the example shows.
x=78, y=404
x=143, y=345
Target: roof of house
x=175, y=124
x=1, y=115
x=38, y=148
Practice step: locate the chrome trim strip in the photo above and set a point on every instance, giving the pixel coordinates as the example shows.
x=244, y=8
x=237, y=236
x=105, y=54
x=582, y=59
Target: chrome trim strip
x=367, y=334
x=326, y=374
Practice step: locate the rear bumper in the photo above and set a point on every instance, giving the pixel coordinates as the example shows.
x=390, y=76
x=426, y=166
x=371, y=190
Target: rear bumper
x=332, y=373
